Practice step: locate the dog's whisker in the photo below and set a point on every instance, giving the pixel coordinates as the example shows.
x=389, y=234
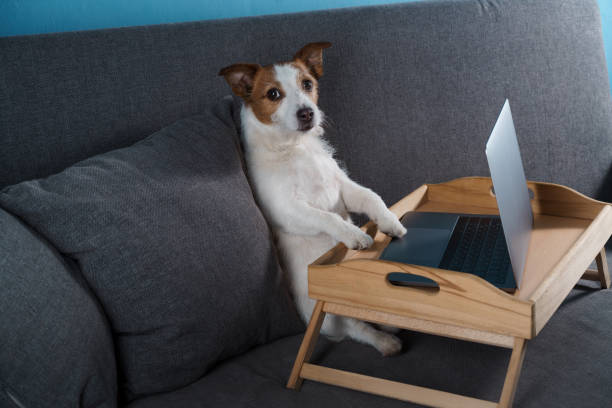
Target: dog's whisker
x=327, y=122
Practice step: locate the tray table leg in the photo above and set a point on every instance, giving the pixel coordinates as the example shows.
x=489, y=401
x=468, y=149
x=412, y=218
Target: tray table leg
x=601, y=274
x=513, y=373
x=602, y=268
x=307, y=347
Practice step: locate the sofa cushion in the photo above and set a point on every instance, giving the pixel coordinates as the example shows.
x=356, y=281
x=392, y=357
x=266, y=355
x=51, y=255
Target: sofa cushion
x=574, y=345
x=168, y=236
x=56, y=348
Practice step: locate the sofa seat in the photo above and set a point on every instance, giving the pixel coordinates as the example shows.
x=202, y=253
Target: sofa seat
x=574, y=345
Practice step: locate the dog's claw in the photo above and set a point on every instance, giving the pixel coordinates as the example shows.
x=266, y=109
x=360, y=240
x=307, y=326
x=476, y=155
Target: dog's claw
x=388, y=344
x=391, y=226
x=357, y=239
x=364, y=241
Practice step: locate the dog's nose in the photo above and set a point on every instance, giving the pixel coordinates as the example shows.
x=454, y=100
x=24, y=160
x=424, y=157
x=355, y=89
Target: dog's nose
x=305, y=115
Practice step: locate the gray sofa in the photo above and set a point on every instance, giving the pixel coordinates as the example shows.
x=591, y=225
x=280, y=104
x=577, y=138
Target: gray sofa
x=98, y=303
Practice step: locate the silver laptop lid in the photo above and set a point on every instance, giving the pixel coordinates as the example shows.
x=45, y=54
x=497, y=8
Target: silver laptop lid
x=511, y=190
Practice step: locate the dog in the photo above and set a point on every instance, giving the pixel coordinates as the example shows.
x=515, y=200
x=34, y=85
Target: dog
x=304, y=194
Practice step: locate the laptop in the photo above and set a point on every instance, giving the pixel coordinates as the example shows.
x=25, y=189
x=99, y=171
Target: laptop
x=490, y=246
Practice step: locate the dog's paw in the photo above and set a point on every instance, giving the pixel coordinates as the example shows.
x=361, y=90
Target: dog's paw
x=355, y=238
x=388, y=344
x=390, y=225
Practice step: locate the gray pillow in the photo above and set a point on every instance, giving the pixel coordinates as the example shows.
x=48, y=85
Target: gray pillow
x=168, y=236
x=56, y=348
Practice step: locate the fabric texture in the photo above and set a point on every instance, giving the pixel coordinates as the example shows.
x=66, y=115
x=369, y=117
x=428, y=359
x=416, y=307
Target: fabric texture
x=574, y=344
x=411, y=91
x=168, y=236
x=56, y=348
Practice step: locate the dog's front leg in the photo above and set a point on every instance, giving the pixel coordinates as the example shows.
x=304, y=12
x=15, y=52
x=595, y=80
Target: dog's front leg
x=360, y=199
x=298, y=217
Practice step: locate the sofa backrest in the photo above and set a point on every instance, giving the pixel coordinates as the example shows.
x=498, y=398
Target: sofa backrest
x=411, y=90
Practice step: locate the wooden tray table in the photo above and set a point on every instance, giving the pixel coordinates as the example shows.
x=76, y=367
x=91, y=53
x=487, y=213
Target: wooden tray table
x=570, y=230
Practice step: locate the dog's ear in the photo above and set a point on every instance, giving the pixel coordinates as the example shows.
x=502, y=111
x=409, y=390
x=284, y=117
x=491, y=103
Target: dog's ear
x=240, y=77
x=312, y=56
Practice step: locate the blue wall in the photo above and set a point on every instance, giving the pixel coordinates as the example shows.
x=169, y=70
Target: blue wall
x=45, y=16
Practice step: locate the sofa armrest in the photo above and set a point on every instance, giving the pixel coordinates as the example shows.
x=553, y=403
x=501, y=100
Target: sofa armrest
x=49, y=326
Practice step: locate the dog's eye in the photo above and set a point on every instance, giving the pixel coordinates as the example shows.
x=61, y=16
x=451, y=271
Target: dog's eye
x=307, y=84
x=274, y=94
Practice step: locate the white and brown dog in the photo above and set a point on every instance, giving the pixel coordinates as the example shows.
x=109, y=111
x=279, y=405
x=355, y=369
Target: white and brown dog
x=302, y=191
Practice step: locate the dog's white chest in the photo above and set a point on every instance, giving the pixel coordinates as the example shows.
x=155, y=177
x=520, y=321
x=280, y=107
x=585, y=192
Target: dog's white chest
x=315, y=176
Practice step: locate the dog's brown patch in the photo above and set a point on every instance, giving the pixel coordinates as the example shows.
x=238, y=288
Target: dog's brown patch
x=262, y=106
x=240, y=77
x=312, y=57
x=303, y=74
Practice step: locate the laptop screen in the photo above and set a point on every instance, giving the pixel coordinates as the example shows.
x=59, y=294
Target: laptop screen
x=511, y=190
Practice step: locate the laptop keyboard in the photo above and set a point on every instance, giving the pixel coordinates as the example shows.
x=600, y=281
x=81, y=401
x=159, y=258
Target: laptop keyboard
x=478, y=246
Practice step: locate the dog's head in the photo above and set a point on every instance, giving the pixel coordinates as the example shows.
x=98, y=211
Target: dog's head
x=282, y=95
